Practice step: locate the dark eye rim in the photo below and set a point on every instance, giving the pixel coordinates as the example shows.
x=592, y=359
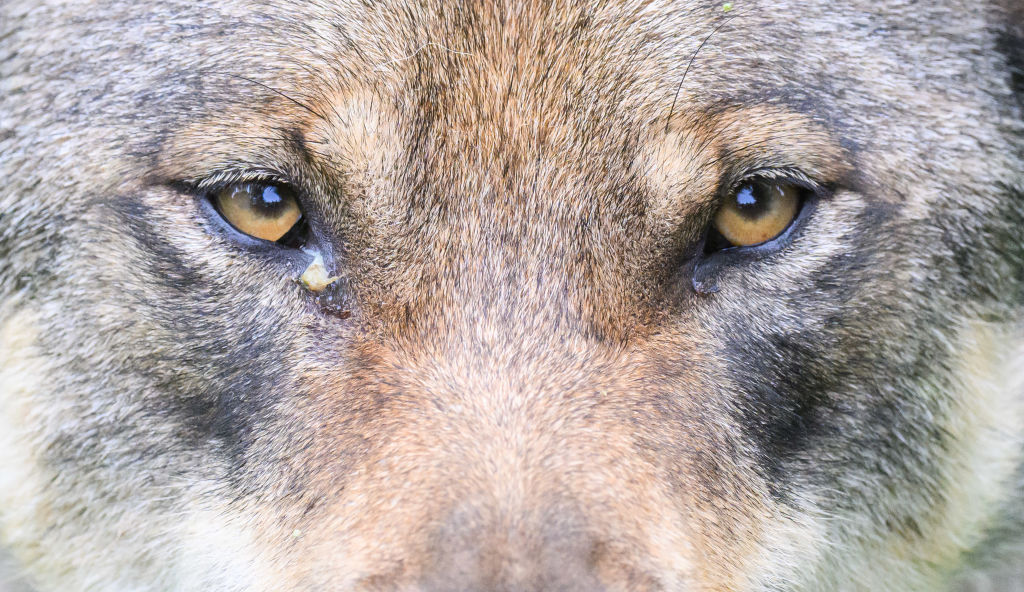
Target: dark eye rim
x=714, y=242
x=809, y=191
x=297, y=237
x=708, y=265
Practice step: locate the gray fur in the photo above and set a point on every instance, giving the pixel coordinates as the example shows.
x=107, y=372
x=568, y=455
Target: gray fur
x=528, y=376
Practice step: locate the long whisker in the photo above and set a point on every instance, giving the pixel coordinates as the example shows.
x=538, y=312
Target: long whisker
x=278, y=92
x=690, y=63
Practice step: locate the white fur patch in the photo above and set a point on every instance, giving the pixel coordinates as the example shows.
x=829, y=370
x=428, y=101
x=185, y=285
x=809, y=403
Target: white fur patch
x=123, y=548
x=217, y=554
x=21, y=381
x=985, y=417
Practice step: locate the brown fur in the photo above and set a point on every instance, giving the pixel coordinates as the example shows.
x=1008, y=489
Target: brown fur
x=528, y=376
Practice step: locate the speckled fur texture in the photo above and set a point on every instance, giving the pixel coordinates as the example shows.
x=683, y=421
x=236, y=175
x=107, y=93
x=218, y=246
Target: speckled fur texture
x=528, y=376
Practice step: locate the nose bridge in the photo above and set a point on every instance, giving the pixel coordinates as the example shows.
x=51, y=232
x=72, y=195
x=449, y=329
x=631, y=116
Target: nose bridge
x=513, y=467
x=532, y=455
x=483, y=548
x=506, y=357
x=501, y=289
x=529, y=258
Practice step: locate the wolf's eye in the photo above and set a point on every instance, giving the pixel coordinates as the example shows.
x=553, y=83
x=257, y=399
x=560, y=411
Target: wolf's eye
x=757, y=211
x=266, y=211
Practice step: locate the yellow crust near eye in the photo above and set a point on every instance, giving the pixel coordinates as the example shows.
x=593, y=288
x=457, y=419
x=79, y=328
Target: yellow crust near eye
x=235, y=205
x=743, y=231
x=315, y=277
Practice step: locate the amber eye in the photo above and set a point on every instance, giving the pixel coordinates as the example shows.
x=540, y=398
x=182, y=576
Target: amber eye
x=266, y=211
x=757, y=211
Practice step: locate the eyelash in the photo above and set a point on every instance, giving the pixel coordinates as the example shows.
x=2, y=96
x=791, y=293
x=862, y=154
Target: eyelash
x=223, y=179
x=779, y=175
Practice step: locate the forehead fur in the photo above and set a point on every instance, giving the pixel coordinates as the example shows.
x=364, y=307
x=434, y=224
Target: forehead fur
x=529, y=79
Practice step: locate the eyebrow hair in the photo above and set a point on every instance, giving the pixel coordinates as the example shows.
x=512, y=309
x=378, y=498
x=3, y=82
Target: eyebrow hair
x=675, y=97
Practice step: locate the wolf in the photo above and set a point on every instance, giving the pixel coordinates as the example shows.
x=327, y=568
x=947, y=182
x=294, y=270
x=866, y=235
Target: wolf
x=512, y=295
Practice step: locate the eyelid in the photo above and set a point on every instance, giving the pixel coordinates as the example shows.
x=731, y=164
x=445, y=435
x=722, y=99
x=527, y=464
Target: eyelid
x=778, y=175
x=210, y=184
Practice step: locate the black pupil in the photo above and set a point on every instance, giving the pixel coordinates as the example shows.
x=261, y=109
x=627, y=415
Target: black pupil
x=754, y=200
x=267, y=200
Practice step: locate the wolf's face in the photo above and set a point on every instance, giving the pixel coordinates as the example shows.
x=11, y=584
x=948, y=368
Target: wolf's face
x=582, y=323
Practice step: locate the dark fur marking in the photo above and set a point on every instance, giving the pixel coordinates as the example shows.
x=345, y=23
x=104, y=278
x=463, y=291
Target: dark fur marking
x=1011, y=45
x=221, y=394
x=234, y=403
x=163, y=260
x=782, y=409
x=226, y=396
x=991, y=263
x=297, y=141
